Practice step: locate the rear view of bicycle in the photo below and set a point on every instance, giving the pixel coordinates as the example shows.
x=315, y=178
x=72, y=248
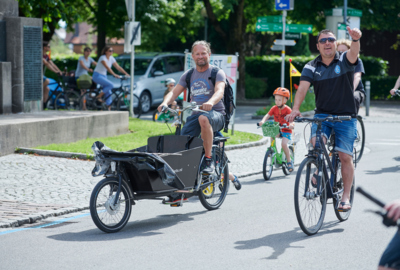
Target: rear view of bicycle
x=319, y=178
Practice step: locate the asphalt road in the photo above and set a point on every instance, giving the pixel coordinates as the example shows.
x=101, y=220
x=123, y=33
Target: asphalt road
x=255, y=228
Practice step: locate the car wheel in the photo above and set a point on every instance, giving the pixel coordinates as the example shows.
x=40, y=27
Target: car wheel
x=145, y=100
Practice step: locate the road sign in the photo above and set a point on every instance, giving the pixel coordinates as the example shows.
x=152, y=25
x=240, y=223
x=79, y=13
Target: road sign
x=277, y=48
x=299, y=28
x=269, y=19
x=290, y=28
x=284, y=4
x=292, y=35
x=284, y=42
x=269, y=27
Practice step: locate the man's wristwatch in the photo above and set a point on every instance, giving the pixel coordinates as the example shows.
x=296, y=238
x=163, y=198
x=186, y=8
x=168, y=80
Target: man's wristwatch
x=355, y=40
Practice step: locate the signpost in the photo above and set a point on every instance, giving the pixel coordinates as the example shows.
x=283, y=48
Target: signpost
x=277, y=48
x=270, y=19
x=130, y=6
x=284, y=42
x=278, y=27
x=284, y=4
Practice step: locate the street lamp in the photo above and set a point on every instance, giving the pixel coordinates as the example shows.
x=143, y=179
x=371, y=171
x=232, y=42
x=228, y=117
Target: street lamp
x=204, y=14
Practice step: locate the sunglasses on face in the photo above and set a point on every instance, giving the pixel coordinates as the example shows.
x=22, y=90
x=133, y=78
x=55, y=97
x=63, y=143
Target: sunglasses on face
x=110, y=50
x=330, y=40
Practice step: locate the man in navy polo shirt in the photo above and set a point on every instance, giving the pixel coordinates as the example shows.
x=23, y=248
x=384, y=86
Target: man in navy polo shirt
x=332, y=75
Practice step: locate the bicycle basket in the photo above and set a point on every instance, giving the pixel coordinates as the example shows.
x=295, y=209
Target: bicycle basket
x=270, y=129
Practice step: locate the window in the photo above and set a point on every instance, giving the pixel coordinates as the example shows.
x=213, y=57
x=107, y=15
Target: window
x=157, y=66
x=174, y=64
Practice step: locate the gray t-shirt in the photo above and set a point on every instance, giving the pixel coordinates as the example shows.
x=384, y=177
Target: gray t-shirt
x=202, y=88
x=80, y=70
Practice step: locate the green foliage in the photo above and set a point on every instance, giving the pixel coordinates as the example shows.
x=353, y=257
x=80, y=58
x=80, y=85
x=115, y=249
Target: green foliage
x=380, y=86
x=269, y=67
x=307, y=105
x=255, y=88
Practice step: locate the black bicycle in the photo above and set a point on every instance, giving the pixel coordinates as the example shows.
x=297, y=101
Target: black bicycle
x=319, y=178
x=359, y=142
x=64, y=96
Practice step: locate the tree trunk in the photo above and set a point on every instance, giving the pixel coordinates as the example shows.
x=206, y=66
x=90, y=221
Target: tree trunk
x=101, y=16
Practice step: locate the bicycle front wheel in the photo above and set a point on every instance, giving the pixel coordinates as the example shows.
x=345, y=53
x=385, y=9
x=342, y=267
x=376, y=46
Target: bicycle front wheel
x=359, y=143
x=213, y=195
x=268, y=165
x=309, y=203
x=108, y=217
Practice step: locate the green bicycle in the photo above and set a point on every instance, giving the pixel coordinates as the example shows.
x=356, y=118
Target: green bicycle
x=273, y=157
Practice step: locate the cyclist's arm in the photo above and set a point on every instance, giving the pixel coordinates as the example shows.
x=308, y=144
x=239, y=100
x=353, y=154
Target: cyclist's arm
x=109, y=69
x=55, y=67
x=49, y=66
x=219, y=90
x=352, y=53
x=265, y=118
x=300, y=95
x=396, y=86
x=357, y=79
x=171, y=96
x=83, y=65
x=118, y=67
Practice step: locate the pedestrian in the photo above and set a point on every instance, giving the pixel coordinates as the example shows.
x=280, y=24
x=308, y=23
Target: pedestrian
x=206, y=94
x=106, y=61
x=359, y=92
x=396, y=86
x=47, y=63
x=332, y=74
x=279, y=111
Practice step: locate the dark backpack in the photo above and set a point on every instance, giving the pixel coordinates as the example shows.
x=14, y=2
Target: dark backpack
x=228, y=99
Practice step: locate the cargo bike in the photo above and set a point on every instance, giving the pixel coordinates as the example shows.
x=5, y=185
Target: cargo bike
x=166, y=166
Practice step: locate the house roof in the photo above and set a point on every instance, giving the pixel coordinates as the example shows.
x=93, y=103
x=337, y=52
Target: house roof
x=84, y=33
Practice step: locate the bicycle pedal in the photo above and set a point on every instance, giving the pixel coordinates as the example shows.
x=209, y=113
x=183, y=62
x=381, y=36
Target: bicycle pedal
x=175, y=205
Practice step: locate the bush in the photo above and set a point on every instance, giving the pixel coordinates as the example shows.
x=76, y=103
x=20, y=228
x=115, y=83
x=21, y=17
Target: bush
x=307, y=105
x=269, y=68
x=255, y=88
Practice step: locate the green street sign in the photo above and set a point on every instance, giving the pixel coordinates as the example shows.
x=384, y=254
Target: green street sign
x=269, y=19
x=269, y=27
x=277, y=27
x=299, y=28
x=339, y=12
x=292, y=35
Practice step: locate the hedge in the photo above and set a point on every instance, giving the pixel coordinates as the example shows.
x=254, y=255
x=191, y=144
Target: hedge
x=268, y=68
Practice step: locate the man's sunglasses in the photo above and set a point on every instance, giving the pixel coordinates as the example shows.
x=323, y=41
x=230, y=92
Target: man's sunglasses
x=330, y=40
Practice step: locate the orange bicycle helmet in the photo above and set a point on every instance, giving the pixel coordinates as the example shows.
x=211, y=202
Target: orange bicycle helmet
x=282, y=92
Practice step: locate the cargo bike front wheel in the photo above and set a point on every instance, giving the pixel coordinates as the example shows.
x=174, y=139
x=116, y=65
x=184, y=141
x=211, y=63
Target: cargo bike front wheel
x=109, y=216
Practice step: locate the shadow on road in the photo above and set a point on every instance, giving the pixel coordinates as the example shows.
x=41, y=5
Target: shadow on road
x=393, y=169
x=140, y=228
x=281, y=241
x=261, y=180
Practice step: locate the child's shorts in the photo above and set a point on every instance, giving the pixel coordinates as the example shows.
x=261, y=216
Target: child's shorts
x=286, y=135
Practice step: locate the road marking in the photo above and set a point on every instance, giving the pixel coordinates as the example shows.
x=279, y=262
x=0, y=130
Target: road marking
x=45, y=225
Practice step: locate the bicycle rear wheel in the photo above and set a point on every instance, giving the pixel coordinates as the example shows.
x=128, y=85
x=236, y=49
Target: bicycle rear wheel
x=310, y=207
x=123, y=104
x=213, y=195
x=268, y=165
x=359, y=143
x=68, y=100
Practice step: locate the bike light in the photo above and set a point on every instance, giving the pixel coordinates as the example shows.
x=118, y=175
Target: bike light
x=310, y=147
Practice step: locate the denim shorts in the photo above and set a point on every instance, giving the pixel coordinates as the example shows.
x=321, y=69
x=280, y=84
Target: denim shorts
x=391, y=256
x=286, y=135
x=192, y=126
x=345, y=133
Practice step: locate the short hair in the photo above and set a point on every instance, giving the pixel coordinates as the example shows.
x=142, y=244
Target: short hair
x=106, y=48
x=45, y=43
x=345, y=42
x=87, y=49
x=204, y=43
x=325, y=31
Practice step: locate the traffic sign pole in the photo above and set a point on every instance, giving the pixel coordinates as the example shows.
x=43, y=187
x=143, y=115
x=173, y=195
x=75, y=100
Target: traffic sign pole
x=284, y=13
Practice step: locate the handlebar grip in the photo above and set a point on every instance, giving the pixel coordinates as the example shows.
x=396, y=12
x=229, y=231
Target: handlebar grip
x=164, y=108
x=258, y=124
x=344, y=118
x=369, y=196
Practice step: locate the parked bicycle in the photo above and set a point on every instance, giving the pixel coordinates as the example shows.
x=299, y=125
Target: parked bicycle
x=166, y=166
x=63, y=95
x=273, y=157
x=319, y=178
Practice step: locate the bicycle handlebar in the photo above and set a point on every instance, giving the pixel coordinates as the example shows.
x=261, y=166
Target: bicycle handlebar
x=396, y=92
x=193, y=106
x=339, y=118
x=369, y=196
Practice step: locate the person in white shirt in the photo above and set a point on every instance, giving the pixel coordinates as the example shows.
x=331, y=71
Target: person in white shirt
x=105, y=62
x=84, y=63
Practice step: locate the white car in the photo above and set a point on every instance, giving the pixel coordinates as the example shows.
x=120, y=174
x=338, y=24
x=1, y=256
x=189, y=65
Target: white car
x=151, y=71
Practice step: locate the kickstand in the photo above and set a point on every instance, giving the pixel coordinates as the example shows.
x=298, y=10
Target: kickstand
x=182, y=200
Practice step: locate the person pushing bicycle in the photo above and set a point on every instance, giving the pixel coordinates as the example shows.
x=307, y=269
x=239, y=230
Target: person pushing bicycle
x=279, y=111
x=332, y=74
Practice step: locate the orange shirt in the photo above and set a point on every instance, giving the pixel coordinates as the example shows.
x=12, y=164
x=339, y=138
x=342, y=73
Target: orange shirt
x=279, y=116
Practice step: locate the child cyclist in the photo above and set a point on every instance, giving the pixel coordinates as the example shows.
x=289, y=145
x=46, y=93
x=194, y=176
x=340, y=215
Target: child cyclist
x=279, y=111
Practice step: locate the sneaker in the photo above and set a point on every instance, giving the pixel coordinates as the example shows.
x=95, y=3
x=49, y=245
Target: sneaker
x=171, y=200
x=208, y=166
x=236, y=183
